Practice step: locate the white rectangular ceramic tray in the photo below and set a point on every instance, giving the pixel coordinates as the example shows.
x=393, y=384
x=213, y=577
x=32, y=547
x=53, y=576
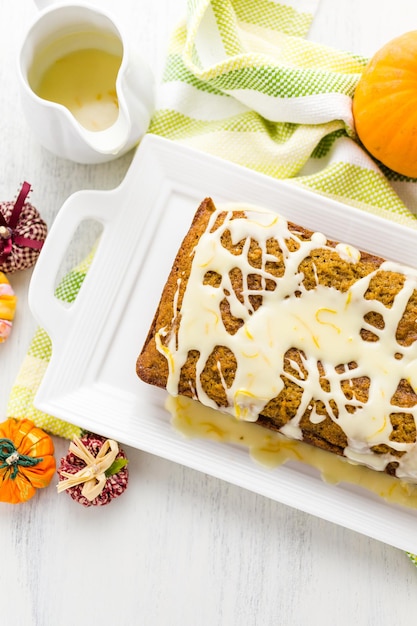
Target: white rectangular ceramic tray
x=91, y=379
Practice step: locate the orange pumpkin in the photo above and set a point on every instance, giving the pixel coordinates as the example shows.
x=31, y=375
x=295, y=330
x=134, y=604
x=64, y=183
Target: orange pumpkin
x=385, y=105
x=7, y=306
x=27, y=461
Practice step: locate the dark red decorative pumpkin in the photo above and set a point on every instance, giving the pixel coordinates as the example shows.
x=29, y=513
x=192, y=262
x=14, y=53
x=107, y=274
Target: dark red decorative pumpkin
x=22, y=233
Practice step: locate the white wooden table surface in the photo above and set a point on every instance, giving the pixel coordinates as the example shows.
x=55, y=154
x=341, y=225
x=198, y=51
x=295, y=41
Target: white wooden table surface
x=178, y=548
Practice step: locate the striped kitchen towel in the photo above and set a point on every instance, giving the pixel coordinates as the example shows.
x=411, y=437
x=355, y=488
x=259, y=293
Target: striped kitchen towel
x=243, y=83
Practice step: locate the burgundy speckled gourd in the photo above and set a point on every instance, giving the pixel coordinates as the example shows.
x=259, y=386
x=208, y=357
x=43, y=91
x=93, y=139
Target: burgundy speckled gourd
x=115, y=484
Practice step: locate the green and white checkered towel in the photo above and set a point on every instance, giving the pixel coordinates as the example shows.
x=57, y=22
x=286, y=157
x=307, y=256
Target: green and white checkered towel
x=242, y=82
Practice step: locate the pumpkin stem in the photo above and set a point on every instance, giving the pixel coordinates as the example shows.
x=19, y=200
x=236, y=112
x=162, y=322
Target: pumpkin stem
x=9, y=457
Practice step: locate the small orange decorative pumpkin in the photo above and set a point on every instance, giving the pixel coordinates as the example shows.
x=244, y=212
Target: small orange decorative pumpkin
x=26, y=460
x=7, y=307
x=385, y=105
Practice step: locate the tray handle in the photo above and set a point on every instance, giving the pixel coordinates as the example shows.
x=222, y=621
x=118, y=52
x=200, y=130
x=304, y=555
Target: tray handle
x=53, y=314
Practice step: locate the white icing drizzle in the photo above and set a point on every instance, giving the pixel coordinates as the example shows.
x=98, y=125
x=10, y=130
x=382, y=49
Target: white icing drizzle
x=323, y=323
x=348, y=253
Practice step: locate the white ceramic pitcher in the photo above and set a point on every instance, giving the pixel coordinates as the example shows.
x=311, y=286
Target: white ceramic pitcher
x=65, y=28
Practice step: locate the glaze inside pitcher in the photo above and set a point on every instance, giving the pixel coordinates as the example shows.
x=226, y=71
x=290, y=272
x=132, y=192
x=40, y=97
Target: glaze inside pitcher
x=79, y=71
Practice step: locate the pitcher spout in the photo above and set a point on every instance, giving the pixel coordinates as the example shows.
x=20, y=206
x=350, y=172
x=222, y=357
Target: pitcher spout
x=112, y=141
x=135, y=101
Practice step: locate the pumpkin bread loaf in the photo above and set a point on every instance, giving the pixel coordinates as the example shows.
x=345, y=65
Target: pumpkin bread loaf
x=271, y=322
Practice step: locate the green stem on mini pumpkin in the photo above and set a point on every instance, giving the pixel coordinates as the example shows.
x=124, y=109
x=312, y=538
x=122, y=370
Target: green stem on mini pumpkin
x=11, y=457
x=116, y=466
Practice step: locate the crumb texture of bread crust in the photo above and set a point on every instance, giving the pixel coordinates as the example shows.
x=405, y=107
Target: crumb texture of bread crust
x=151, y=365
x=272, y=322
